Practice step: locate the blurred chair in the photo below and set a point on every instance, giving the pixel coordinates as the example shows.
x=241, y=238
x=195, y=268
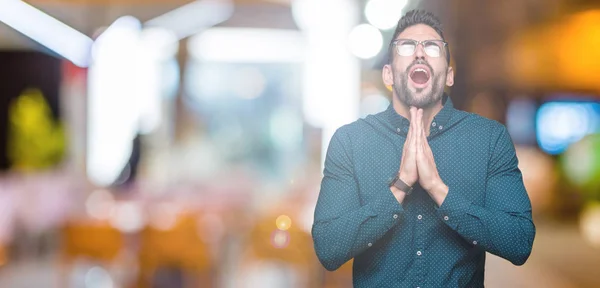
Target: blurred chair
x=91, y=240
x=3, y=256
x=177, y=248
x=340, y=278
x=281, y=251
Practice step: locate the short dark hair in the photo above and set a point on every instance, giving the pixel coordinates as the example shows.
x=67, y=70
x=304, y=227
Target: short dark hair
x=414, y=17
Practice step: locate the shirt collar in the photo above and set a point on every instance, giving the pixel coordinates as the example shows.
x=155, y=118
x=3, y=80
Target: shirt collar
x=438, y=124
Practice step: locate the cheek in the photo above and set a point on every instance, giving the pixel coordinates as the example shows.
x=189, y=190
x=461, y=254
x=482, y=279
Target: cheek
x=399, y=73
x=399, y=77
x=441, y=72
x=400, y=65
x=439, y=67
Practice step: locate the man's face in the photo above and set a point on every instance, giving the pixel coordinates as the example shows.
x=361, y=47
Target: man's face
x=418, y=80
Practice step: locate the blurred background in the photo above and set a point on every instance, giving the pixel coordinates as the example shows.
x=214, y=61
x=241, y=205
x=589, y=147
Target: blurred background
x=178, y=143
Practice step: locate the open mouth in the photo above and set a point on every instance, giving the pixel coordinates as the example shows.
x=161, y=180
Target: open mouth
x=420, y=76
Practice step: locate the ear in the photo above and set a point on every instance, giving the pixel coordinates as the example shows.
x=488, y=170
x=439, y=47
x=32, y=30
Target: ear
x=450, y=76
x=387, y=75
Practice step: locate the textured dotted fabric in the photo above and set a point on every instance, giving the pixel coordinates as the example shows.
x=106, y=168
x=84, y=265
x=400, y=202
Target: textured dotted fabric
x=416, y=243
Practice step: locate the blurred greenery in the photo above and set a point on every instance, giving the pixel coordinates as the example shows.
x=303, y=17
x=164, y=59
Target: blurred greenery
x=36, y=141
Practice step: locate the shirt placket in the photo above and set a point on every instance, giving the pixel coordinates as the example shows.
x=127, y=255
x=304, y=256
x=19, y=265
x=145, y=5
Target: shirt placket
x=436, y=127
x=420, y=234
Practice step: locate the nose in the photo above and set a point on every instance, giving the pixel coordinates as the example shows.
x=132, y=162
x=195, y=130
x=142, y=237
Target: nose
x=419, y=52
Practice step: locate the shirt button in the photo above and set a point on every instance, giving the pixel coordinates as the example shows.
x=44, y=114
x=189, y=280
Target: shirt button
x=420, y=217
x=370, y=244
x=395, y=216
x=474, y=242
x=433, y=124
x=419, y=253
x=446, y=218
x=441, y=127
x=398, y=130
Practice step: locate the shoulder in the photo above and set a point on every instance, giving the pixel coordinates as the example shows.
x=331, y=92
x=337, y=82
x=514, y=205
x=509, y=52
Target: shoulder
x=360, y=128
x=479, y=125
x=358, y=134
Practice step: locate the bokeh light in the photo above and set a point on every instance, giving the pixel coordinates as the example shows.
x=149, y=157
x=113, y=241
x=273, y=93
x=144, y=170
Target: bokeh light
x=280, y=239
x=365, y=41
x=164, y=216
x=384, y=14
x=581, y=164
x=589, y=224
x=128, y=217
x=159, y=43
x=283, y=222
x=100, y=204
x=98, y=277
x=318, y=15
x=560, y=124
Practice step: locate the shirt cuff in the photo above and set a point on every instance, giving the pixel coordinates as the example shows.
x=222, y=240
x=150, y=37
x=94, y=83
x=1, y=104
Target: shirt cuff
x=453, y=208
x=386, y=205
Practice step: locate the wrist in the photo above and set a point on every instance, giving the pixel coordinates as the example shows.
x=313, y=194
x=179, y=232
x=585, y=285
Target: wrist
x=438, y=193
x=406, y=180
x=400, y=184
x=438, y=188
x=398, y=194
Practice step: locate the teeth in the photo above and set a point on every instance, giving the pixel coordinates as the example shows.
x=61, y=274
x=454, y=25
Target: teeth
x=422, y=70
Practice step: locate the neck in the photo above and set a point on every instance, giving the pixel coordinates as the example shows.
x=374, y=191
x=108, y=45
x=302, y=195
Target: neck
x=428, y=112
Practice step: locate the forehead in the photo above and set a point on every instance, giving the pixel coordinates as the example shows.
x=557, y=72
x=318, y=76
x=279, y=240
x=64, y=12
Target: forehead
x=419, y=32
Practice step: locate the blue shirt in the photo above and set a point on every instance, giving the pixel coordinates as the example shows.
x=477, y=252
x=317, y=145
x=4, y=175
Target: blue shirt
x=417, y=243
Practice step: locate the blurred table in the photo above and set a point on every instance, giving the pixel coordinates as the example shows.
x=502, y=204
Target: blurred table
x=560, y=259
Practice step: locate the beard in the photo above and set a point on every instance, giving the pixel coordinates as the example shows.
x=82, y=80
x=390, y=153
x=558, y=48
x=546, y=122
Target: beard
x=410, y=98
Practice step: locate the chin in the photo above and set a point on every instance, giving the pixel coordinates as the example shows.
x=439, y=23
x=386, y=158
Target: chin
x=420, y=97
x=421, y=100
x=423, y=104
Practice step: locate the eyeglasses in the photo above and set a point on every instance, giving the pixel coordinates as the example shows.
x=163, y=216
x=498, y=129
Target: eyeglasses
x=407, y=47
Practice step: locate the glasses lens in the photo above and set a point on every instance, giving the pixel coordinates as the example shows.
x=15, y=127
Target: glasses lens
x=406, y=48
x=433, y=48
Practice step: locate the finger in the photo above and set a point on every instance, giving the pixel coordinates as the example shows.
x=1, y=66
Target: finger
x=420, y=154
x=426, y=147
x=413, y=116
x=420, y=123
x=407, y=141
x=424, y=136
x=414, y=128
x=410, y=134
x=429, y=151
x=418, y=129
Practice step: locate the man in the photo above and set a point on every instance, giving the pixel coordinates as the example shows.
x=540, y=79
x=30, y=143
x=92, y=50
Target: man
x=456, y=190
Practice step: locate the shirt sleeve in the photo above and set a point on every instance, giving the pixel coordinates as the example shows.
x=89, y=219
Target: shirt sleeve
x=503, y=226
x=343, y=228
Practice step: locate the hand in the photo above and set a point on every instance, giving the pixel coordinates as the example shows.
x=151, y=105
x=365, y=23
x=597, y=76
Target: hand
x=408, y=166
x=429, y=178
